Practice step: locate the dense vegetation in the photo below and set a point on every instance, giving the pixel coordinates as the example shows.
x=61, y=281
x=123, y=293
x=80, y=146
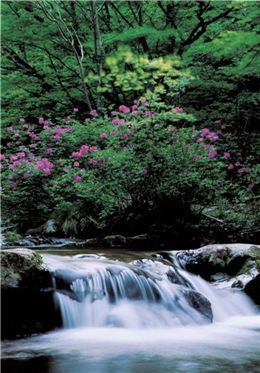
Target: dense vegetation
x=131, y=117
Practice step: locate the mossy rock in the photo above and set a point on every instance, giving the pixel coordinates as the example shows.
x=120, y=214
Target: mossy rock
x=28, y=304
x=23, y=268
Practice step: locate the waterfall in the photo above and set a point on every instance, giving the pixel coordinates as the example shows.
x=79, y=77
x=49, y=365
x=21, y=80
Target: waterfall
x=92, y=291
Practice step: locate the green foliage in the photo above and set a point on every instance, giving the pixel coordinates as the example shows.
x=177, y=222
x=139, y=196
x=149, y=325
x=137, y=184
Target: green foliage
x=12, y=236
x=128, y=75
x=193, y=65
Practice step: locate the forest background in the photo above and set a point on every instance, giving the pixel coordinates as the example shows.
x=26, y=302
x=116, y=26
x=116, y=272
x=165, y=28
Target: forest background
x=131, y=117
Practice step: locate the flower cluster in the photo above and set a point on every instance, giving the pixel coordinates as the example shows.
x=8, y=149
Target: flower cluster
x=45, y=165
x=84, y=149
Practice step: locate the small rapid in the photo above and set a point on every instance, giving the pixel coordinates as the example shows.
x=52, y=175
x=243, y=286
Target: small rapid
x=92, y=291
x=145, y=315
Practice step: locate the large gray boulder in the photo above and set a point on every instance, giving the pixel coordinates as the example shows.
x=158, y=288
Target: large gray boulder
x=234, y=265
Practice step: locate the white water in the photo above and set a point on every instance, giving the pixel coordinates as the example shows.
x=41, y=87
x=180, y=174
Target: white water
x=149, y=336
x=140, y=295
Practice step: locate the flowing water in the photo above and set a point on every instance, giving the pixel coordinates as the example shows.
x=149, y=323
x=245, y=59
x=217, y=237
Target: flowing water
x=139, y=315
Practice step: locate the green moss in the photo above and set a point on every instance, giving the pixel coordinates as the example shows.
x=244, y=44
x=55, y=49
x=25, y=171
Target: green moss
x=12, y=236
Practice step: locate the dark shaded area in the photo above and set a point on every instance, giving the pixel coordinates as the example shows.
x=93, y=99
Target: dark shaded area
x=40, y=364
x=26, y=312
x=253, y=289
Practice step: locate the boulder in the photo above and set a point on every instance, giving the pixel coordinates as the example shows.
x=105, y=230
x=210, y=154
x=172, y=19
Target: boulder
x=23, y=268
x=115, y=240
x=226, y=265
x=200, y=303
x=28, y=305
x=139, y=241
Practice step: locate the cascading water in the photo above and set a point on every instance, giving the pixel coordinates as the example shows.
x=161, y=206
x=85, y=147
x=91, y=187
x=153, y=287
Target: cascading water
x=96, y=292
x=148, y=315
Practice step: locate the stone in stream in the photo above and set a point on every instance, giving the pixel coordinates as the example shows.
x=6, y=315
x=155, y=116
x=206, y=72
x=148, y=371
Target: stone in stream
x=27, y=294
x=226, y=265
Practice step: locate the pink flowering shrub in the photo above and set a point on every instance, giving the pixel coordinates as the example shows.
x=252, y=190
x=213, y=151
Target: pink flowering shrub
x=139, y=154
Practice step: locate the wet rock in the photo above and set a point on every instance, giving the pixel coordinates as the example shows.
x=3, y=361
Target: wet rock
x=235, y=265
x=115, y=241
x=200, y=303
x=252, y=289
x=27, y=294
x=139, y=241
x=23, y=268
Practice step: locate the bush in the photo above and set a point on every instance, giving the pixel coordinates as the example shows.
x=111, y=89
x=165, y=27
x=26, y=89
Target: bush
x=136, y=168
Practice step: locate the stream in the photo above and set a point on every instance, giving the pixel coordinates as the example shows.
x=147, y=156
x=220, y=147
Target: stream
x=128, y=311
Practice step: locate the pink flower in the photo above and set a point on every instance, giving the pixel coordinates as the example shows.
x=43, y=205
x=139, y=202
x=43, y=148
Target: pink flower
x=20, y=154
x=17, y=133
x=114, y=112
x=134, y=107
x=47, y=171
x=26, y=174
x=149, y=114
x=2, y=157
x=124, y=109
x=13, y=157
x=17, y=163
x=178, y=109
x=93, y=149
x=12, y=186
x=135, y=113
x=77, y=178
x=205, y=131
x=33, y=135
x=57, y=137
x=213, y=136
x=9, y=144
x=200, y=139
x=112, y=133
x=212, y=154
x=84, y=149
x=46, y=127
x=45, y=165
x=103, y=136
x=93, y=161
x=143, y=102
x=93, y=112
x=68, y=129
x=49, y=150
x=118, y=121
x=244, y=170
x=76, y=154
x=227, y=155
x=41, y=120
x=76, y=164
x=230, y=167
x=237, y=164
x=1, y=167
